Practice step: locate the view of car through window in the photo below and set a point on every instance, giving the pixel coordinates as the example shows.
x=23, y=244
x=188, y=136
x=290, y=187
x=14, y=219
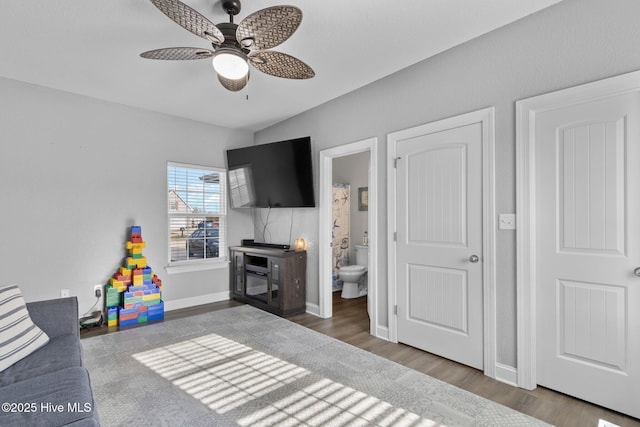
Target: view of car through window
x=203, y=243
x=195, y=239
x=196, y=212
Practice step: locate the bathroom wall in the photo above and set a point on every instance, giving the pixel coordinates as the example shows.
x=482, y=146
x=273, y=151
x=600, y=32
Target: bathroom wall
x=354, y=170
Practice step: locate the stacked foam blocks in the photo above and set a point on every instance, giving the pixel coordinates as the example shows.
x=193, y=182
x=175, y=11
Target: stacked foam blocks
x=134, y=293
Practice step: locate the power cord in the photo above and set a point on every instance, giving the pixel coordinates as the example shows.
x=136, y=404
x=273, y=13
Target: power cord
x=91, y=308
x=291, y=227
x=92, y=318
x=266, y=224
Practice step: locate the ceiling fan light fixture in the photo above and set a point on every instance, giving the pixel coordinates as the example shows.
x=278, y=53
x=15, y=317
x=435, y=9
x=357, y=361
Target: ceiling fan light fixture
x=235, y=46
x=230, y=63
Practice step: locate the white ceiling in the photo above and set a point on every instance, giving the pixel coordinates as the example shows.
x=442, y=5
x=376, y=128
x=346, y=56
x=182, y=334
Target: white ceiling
x=92, y=47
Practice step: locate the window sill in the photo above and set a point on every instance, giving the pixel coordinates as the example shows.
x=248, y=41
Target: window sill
x=187, y=267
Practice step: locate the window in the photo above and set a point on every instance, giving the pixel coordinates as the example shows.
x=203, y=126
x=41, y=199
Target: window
x=196, y=208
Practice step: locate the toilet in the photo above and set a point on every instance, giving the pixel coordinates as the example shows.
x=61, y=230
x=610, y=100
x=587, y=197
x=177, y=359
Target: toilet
x=353, y=276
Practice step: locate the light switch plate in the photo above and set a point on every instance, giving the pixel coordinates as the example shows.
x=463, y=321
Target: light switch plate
x=507, y=222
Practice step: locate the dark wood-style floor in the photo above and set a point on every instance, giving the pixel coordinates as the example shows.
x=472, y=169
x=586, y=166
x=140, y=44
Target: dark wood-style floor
x=350, y=323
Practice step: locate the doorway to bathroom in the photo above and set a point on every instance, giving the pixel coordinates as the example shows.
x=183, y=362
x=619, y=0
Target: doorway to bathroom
x=358, y=214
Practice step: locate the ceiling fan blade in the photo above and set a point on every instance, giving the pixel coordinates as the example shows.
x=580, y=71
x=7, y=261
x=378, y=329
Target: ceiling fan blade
x=233, y=85
x=190, y=20
x=178, y=53
x=280, y=65
x=268, y=27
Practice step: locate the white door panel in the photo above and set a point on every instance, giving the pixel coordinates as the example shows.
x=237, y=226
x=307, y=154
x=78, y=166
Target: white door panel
x=439, y=227
x=588, y=244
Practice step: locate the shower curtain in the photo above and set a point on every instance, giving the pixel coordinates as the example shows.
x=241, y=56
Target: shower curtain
x=340, y=233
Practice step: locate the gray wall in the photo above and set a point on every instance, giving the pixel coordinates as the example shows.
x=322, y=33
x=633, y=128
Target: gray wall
x=76, y=172
x=573, y=42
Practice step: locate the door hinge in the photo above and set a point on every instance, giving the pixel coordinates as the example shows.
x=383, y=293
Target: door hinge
x=395, y=161
x=395, y=309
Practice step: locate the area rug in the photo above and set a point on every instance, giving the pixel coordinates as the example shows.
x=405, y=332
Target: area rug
x=244, y=367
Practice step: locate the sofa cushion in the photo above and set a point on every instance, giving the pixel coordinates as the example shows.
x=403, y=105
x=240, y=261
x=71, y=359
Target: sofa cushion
x=62, y=352
x=57, y=398
x=55, y=316
x=19, y=337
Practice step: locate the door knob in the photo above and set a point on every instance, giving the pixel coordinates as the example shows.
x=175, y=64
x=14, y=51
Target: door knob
x=637, y=271
x=476, y=258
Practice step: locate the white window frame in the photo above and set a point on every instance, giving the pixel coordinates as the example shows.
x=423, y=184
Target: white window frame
x=205, y=264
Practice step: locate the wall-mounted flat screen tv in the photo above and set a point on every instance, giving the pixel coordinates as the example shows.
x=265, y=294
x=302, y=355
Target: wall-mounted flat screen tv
x=274, y=175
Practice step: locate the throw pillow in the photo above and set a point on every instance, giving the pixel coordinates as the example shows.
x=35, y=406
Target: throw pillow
x=19, y=336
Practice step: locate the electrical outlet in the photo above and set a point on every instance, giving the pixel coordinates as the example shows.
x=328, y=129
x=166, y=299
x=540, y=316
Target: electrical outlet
x=507, y=221
x=64, y=293
x=97, y=291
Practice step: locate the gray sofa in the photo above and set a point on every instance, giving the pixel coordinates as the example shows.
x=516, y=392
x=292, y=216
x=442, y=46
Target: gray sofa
x=50, y=387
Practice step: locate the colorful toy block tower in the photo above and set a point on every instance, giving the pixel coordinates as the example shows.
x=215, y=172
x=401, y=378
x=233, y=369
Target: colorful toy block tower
x=134, y=293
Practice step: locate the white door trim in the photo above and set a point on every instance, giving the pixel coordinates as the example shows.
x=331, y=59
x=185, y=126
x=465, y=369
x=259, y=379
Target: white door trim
x=486, y=117
x=324, y=240
x=526, y=111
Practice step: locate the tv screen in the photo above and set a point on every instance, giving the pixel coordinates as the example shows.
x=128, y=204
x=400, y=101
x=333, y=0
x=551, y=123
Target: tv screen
x=275, y=175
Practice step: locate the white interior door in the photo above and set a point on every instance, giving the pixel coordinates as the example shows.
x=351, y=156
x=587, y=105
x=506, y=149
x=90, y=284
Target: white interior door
x=439, y=243
x=587, y=247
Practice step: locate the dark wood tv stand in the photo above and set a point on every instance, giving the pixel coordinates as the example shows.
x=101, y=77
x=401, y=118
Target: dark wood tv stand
x=271, y=279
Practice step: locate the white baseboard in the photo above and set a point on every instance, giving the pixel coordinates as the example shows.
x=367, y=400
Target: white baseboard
x=194, y=301
x=313, y=309
x=382, y=332
x=507, y=374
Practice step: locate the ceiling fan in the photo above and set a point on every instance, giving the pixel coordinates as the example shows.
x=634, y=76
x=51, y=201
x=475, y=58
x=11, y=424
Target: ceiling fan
x=235, y=46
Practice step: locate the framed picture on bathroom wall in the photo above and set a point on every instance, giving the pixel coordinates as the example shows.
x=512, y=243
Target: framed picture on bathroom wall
x=363, y=198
